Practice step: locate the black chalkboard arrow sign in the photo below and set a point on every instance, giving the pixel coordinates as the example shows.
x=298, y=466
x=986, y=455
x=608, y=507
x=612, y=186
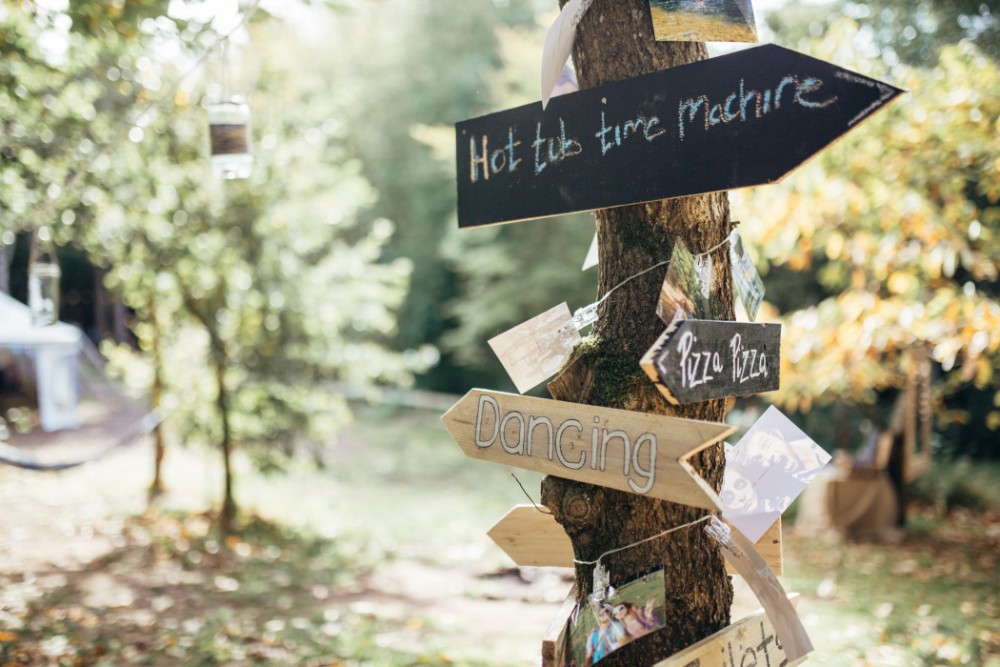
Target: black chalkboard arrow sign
x=737, y=120
x=698, y=360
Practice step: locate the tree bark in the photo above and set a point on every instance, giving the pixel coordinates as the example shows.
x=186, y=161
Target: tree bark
x=155, y=398
x=228, y=513
x=6, y=255
x=615, y=41
x=220, y=360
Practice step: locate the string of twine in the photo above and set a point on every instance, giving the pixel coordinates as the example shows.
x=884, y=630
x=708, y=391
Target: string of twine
x=169, y=95
x=530, y=499
x=703, y=519
x=647, y=270
x=707, y=517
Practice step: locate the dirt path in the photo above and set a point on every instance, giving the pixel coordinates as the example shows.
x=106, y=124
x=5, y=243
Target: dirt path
x=69, y=545
x=60, y=531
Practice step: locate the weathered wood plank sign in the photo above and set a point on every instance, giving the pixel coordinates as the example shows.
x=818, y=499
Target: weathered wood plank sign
x=750, y=641
x=698, y=360
x=629, y=451
x=534, y=539
x=554, y=640
x=733, y=121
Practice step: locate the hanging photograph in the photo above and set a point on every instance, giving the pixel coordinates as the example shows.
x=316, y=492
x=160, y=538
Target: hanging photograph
x=599, y=628
x=686, y=292
x=703, y=20
x=767, y=469
x=749, y=286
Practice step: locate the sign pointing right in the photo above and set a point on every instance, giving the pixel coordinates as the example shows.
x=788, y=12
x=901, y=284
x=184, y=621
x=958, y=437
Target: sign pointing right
x=742, y=119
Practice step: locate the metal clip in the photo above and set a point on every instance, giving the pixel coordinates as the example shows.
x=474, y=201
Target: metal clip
x=602, y=581
x=585, y=316
x=719, y=530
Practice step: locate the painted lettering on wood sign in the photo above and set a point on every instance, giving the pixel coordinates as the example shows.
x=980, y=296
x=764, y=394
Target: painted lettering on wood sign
x=733, y=121
x=698, y=360
x=750, y=642
x=630, y=451
x=534, y=539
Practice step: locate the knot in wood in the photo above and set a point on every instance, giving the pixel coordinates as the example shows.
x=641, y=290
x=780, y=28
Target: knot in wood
x=577, y=507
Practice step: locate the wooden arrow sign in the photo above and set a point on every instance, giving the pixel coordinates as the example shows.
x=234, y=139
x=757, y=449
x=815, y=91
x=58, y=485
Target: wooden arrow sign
x=737, y=120
x=698, y=360
x=556, y=635
x=629, y=451
x=534, y=539
x=751, y=641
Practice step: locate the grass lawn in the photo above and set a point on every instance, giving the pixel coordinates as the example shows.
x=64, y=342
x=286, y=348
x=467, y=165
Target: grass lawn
x=381, y=559
x=934, y=599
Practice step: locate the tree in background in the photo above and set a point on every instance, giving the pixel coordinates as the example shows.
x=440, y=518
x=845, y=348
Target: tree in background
x=256, y=294
x=413, y=68
x=904, y=30
x=888, y=240
x=507, y=274
x=62, y=95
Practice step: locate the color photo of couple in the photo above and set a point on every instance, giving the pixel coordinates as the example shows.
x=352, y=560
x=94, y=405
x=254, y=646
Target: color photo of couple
x=599, y=628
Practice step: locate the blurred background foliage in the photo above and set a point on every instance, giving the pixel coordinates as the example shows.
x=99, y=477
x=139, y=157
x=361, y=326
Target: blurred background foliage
x=889, y=240
x=337, y=268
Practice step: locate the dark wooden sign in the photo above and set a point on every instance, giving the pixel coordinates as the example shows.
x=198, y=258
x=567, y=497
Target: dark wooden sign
x=698, y=360
x=737, y=120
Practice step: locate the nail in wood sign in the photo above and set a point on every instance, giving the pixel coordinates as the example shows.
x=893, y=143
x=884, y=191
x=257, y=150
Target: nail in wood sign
x=733, y=121
x=698, y=360
x=634, y=452
x=534, y=539
x=751, y=641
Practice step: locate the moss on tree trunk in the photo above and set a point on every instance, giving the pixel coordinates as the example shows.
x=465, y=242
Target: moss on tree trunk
x=615, y=41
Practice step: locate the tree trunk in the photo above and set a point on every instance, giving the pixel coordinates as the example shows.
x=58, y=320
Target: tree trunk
x=6, y=255
x=217, y=346
x=614, y=42
x=100, y=304
x=156, y=395
x=228, y=503
x=119, y=315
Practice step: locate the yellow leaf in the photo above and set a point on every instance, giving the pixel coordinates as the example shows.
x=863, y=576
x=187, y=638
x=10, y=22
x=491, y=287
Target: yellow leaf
x=984, y=372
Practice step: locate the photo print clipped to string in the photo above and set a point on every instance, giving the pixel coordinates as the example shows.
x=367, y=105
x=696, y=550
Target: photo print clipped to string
x=749, y=286
x=602, y=624
x=703, y=20
x=534, y=351
x=767, y=469
x=687, y=288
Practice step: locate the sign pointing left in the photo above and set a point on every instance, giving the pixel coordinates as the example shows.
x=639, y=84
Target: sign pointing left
x=534, y=539
x=629, y=451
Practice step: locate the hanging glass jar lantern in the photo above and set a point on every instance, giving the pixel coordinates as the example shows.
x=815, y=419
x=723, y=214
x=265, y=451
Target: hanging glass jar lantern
x=229, y=131
x=229, y=128
x=43, y=279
